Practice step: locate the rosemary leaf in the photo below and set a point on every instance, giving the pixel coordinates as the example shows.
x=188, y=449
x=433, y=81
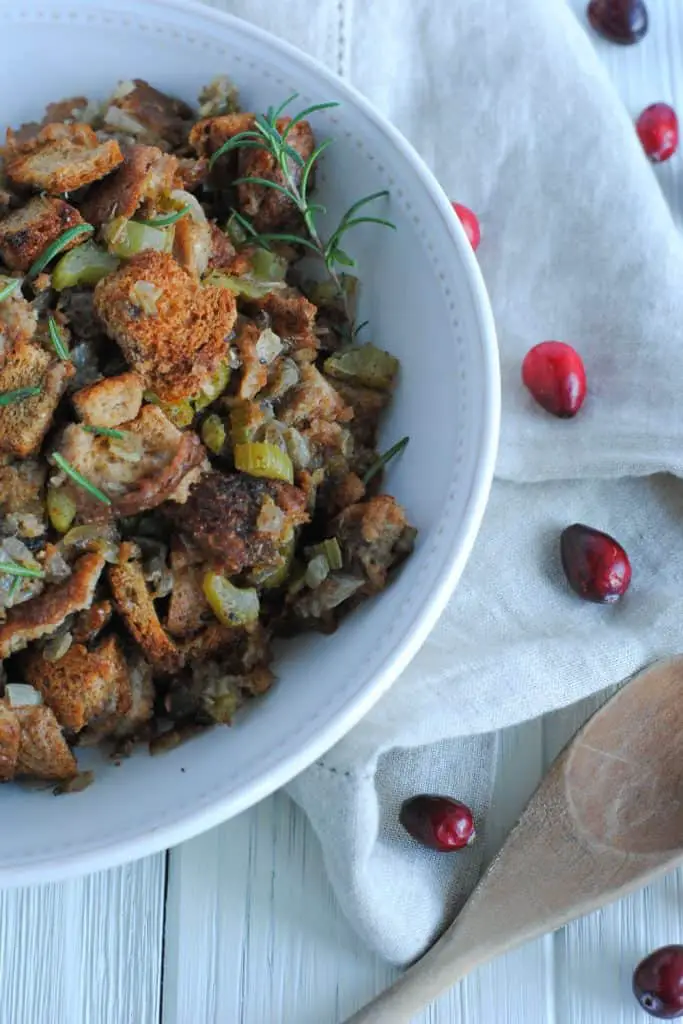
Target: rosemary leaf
x=9, y=397
x=79, y=479
x=381, y=462
x=14, y=589
x=119, y=435
x=14, y=569
x=289, y=239
x=308, y=167
x=303, y=114
x=9, y=289
x=166, y=220
x=54, y=248
x=268, y=184
x=57, y=340
x=283, y=106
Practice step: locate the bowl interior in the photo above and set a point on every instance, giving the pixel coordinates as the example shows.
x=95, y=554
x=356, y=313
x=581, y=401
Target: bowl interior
x=425, y=302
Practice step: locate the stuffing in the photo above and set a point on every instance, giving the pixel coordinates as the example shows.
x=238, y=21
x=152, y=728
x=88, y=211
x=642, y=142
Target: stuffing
x=374, y=536
x=24, y=423
x=18, y=322
x=22, y=497
x=149, y=115
x=136, y=607
x=89, y=624
x=188, y=610
x=269, y=209
x=25, y=233
x=313, y=398
x=10, y=733
x=292, y=317
x=138, y=472
x=43, y=751
x=43, y=615
x=145, y=174
x=178, y=349
x=109, y=402
x=64, y=164
x=83, y=683
x=221, y=517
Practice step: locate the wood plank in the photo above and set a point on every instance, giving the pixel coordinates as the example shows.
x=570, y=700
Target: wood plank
x=87, y=950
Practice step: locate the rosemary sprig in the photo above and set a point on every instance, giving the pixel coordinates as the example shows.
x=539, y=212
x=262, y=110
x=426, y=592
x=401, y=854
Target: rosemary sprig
x=79, y=479
x=10, y=288
x=381, y=462
x=165, y=220
x=57, y=340
x=295, y=177
x=10, y=397
x=54, y=248
x=104, y=431
x=14, y=569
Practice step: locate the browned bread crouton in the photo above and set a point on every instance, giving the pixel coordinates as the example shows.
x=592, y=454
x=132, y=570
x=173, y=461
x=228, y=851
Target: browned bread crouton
x=209, y=642
x=313, y=398
x=42, y=615
x=82, y=684
x=23, y=424
x=66, y=163
x=192, y=245
x=374, y=535
x=145, y=173
x=22, y=501
x=188, y=610
x=91, y=622
x=292, y=317
x=68, y=109
x=368, y=406
x=221, y=516
x=163, y=457
x=25, y=233
x=178, y=349
x=268, y=207
x=43, y=751
x=136, y=607
x=109, y=402
x=10, y=733
x=18, y=322
x=160, y=118
x=254, y=372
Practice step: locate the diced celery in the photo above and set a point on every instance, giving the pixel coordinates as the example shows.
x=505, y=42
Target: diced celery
x=84, y=265
x=262, y=459
x=214, y=433
x=126, y=238
x=232, y=606
x=364, y=364
x=213, y=388
x=61, y=508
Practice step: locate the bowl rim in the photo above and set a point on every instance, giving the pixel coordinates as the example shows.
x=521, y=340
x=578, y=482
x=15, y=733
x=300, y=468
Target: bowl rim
x=187, y=825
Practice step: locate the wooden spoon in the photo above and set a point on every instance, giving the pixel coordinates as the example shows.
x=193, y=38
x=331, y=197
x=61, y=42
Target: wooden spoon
x=607, y=819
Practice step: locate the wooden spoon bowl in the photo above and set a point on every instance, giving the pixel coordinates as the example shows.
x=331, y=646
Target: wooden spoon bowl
x=607, y=819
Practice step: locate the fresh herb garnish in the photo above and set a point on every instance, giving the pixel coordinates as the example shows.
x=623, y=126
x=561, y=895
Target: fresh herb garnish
x=9, y=397
x=166, y=219
x=105, y=431
x=79, y=479
x=9, y=289
x=56, y=247
x=381, y=462
x=14, y=569
x=14, y=589
x=296, y=180
x=57, y=340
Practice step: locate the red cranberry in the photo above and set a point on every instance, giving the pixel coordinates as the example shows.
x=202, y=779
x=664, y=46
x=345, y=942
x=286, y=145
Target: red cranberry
x=438, y=822
x=555, y=375
x=658, y=983
x=620, y=21
x=657, y=129
x=595, y=564
x=470, y=223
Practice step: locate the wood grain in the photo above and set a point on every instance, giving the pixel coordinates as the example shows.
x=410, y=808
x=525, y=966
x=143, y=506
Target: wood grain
x=86, y=951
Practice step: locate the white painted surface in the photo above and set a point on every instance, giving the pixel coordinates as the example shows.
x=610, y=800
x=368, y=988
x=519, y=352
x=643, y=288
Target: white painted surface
x=253, y=934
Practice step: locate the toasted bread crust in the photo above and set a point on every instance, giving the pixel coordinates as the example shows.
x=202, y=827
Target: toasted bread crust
x=136, y=607
x=177, y=350
x=62, y=158
x=42, y=615
x=23, y=424
x=144, y=173
x=43, y=751
x=26, y=233
x=109, y=402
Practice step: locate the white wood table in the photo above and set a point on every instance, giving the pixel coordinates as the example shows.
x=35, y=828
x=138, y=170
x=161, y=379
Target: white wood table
x=240, y=926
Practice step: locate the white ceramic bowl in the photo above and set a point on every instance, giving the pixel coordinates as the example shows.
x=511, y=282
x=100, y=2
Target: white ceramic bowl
x=426, y=302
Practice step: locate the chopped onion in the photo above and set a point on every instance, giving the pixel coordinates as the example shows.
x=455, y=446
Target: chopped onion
x=22, y=695
x=123, y=89
x=117, y=118
x=317, y=571
x=271, y=518
x=183, y=198
x=145, y=295
x=57, y=647
x=268, y=347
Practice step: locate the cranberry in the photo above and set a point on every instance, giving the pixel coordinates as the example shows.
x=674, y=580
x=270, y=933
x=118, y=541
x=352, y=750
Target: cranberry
x=595, y=564
x=555, y=375
x=620, y=21
x=657, y=129
x=438, y=822
x=470, y=223
x=658, y=983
